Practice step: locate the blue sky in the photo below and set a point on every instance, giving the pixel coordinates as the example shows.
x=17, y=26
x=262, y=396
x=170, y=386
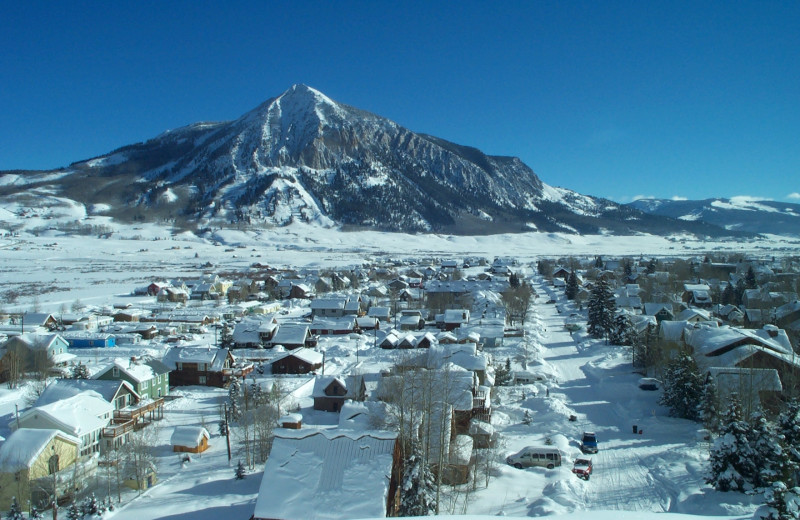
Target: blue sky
x=613, y=99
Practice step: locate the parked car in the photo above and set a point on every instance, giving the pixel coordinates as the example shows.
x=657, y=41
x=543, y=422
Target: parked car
x=582, y=468
x=649, y=383
x=589, y=442
x=544, y=456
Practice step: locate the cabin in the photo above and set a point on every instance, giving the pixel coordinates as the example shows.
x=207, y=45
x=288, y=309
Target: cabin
x=299, y=361
x=331, y=392
x=205, y=366
x=189, y=439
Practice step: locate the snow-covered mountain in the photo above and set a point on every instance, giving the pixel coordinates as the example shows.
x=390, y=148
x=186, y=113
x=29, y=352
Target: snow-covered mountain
x=304, y=157
x=738, y=213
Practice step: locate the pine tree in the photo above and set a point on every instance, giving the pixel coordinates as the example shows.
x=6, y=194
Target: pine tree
x=89, y=506
x=598, y=262
x=789, y=427
x=80, y=371
x=601, y=310
x=683, y=388
x=781, y=503
x=623, y=332
x=502, y=374
x=767, y=444
x=708, y=412
x=728, y=297
x=73, y=512
x=223, y=428
x=739, y=292
x=731, y=458
x=417, y=495
x=34, y=513
x=750, y=278
x=234, y=392
x=571, y=290
x=651, y=266
x=241, y=471
x=15, y=512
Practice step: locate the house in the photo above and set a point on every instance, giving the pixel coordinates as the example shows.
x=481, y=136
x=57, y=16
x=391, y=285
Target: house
x=330, y=392
x=190, y=439
x=697, y=294
x=38, y=320
x=27, y=457
x=86, y=339
x=411, y=319
x=120, y=394
x=300, y=291
x=83, y=415
x=292, y=336
x=694, y=315
x=172, y=294
x=300, y=361
x=333, y=326
x=756, y=388
x=310, y=473
x=149, y=379
x=207, y=366
x=330, y=307
x=454, y=318
x=33, y=352
x=383, y=314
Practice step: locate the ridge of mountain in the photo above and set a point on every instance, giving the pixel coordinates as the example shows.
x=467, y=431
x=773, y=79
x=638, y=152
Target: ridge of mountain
x=303, y=157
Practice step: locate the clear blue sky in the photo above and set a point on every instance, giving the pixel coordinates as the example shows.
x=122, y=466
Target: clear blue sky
x=614, y=99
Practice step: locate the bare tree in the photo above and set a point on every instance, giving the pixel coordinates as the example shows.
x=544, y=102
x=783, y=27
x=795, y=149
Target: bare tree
x=13, y=368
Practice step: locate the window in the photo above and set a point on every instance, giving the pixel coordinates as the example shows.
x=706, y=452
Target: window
x=179, y=366
x=115, y=372
x=201, y=380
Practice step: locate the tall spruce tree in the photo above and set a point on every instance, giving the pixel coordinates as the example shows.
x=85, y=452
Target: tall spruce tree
x=709, y=411
x=683, y=388
x=728, y=297
x=234, y=393
x=750, y=278
x=781, y=503
x=417, y=491
x=732, y=461
x=571, y=290
x=601, y=310
x=768, y=447
x=789, y=427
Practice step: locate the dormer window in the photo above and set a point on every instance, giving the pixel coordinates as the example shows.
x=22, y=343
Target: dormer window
x=115, y=372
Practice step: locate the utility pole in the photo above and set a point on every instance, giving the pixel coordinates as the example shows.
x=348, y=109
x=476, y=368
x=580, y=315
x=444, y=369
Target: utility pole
x=54, y=469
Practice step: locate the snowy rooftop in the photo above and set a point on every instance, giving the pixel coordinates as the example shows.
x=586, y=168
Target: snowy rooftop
x=326, y=475
x=23, y=446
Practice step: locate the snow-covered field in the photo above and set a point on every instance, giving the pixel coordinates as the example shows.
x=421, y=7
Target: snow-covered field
x=660, y=470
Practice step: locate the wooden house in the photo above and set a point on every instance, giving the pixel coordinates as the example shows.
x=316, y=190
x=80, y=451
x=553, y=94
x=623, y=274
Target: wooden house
x=300, y=361
x=206, y=366
x=331, y=392
x=189, y=439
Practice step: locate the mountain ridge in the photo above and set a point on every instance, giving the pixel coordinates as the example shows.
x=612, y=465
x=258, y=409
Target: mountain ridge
x=302, y=156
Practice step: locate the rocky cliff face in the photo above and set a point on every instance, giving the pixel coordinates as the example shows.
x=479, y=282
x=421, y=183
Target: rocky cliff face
x=302, y=156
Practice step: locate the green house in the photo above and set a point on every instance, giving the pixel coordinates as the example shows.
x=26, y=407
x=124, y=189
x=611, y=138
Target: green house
x=148, y=378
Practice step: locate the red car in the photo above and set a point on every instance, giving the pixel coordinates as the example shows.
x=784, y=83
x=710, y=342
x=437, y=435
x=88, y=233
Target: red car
x=582, y=468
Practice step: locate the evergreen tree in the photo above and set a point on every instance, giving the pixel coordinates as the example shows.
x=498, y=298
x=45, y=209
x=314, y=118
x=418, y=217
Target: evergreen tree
x=739, y=292
x=89, y=506
x=781, y=503
x=513, y=280
x=601, y=310
x=708, y=412
x=571, y=290
x=15, y=512
x=683, y=388
x=767, y=444
x=627, y=266
x=234, y=394
x=73, y=512
x=417, y=490
x=750, y=278
x=789, y=427
x=731, y=458
x=80, y=371
x=241, y=471
x=223, y=427
x=598, y=262
x=502, y=374
x=34, y=514
x=728, y=297
x=623, y=332
x=651, y=266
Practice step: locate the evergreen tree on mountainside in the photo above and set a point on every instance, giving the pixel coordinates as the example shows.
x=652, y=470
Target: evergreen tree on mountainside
x=683, y=388
x=601, y=310
x=732, y=466
x=417, y=489
x=571, y=290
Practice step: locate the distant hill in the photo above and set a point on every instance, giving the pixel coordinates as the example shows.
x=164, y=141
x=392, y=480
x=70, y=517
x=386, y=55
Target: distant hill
x=739, y=214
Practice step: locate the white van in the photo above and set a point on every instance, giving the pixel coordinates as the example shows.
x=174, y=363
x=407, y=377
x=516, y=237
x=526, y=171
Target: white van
x=544, y=456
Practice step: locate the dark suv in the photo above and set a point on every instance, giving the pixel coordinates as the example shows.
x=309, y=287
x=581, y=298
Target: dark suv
x=589, y=442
